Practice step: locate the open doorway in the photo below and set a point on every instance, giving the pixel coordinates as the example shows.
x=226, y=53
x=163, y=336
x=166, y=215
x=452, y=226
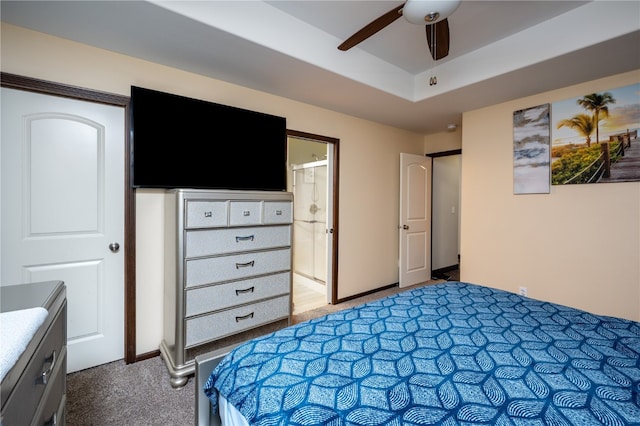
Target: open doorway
x=445, y=215
x=312, y=179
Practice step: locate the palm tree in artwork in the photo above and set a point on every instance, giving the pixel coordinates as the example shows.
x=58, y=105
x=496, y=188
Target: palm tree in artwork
x=598, y=103
x=582, y=123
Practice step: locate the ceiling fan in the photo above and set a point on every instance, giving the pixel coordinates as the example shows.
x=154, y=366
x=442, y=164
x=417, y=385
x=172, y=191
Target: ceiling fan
x=431, y=13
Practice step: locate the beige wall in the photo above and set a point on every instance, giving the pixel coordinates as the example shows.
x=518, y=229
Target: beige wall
x=578, y=245
x=533, y=240
x=443, y=141
x=369, y=161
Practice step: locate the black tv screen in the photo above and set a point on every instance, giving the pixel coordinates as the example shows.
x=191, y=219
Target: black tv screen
x=180, y=142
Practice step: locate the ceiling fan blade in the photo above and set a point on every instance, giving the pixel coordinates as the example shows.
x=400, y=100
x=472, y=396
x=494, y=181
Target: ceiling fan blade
x=372, y=28
x=439, y=46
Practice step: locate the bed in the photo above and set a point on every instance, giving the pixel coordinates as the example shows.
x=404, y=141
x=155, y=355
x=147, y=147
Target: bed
x=450, y=353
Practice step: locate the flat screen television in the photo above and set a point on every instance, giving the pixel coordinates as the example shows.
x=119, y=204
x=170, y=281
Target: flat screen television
x=180, y=142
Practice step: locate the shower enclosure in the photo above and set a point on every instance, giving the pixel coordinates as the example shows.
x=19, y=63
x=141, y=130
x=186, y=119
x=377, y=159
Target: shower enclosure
x=310, y=220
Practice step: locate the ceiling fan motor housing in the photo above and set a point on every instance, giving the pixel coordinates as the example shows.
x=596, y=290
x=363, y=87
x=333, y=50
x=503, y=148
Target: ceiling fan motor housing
x=423, y=12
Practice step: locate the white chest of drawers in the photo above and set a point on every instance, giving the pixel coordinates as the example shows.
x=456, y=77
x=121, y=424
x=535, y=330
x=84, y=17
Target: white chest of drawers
x=227, y=271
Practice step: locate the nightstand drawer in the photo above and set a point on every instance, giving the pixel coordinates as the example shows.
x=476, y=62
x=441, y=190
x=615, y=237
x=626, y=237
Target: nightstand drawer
x=216, y=297
x=245, y=213
x=206, y=214
x=278, y=212
x=39, y=374
x=208, y=242
x=226, y=268
x=231, y=321
x=51, y=410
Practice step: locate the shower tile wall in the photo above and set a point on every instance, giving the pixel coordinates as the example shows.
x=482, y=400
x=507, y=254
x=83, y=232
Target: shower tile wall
x=309, y=224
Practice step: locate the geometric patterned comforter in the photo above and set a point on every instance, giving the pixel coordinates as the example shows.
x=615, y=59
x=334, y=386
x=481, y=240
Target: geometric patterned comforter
x=451, y=353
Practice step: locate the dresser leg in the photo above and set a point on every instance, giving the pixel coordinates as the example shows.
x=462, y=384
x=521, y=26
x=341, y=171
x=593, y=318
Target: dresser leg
x=178, y=382
x=178, y=374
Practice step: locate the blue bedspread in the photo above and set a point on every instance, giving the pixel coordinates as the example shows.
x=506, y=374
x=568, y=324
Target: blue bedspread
x=451, y=353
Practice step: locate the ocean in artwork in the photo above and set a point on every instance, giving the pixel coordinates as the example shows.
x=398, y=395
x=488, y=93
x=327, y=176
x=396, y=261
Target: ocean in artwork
x=531, y=150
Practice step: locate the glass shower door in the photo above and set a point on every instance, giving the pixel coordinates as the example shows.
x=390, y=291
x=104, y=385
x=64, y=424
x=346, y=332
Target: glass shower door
x=310, y=220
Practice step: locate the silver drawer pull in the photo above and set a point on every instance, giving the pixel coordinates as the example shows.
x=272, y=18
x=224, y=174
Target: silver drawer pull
x=246, y=290
x=248, y=238
x=53, y=421
x=248, y=316
x=278, y=212
x=208, y=214
x=44, y=378
x=246, y=213
x=244, y=265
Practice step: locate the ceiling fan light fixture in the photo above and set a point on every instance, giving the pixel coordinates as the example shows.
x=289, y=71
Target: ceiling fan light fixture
x=422, y=12
x=431, y=17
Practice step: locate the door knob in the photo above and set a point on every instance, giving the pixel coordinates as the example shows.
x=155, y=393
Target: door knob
x=114, y=247
x=405, y=227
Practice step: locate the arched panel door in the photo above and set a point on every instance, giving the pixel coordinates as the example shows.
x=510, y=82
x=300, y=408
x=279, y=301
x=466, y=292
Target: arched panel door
x=62, y=213
x=415, y=219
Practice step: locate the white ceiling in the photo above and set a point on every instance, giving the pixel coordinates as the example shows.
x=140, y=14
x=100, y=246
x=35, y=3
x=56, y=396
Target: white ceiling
x=499, y=50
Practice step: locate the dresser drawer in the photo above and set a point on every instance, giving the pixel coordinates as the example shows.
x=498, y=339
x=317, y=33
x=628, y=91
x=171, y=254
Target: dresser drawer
x=216, y=297
x=231, y=321
x=278, y=212
x=208, y=242
x=46, y=361
x=232, y=267
x=245, y=213
x=206, y=214
x=52, y=409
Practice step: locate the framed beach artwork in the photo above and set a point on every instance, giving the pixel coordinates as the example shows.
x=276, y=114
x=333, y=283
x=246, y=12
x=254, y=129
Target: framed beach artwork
x=595, y=137
x=531, y=145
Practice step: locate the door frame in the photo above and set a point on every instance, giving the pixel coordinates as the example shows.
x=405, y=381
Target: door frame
x=18, y=82
x=334, y=144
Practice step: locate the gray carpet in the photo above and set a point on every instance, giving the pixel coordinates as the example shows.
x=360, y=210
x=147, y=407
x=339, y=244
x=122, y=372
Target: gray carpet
x=140, y=394
x=135, y=394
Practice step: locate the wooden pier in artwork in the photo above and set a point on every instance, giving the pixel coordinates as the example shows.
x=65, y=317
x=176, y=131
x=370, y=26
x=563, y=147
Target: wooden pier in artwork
x=627, y=168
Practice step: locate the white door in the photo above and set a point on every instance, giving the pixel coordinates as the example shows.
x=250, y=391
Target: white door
x=62, y=207
x=415, y=219
x=330, y=235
